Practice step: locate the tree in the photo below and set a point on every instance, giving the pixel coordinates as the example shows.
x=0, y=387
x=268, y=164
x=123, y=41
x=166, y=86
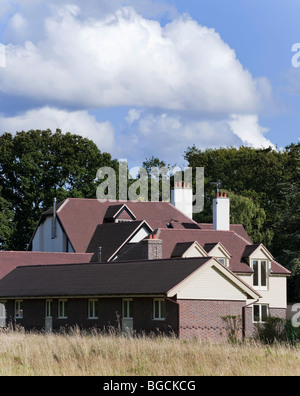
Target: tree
x=36, y=166
x=7, y=225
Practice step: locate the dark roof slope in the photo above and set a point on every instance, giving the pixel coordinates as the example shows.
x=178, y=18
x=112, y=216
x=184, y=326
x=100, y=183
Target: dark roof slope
x=125, y=278
x=111, y=237
x=10, y=260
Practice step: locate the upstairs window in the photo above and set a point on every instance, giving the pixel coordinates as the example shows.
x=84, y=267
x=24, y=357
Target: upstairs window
x=260, y=279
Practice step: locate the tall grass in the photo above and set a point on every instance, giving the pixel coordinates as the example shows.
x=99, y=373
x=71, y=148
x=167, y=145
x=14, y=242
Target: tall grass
x=82, y=354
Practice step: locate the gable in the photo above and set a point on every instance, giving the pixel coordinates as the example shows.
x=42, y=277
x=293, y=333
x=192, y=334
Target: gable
x=214, y=282
x=211, y=285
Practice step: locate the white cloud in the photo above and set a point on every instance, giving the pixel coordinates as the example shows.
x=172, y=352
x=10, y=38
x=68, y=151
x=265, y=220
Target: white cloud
x=76, y=122
x=124, y=59
x=247, y=128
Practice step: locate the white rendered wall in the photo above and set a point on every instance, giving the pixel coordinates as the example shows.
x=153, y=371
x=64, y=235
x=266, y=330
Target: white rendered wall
x=43, y=242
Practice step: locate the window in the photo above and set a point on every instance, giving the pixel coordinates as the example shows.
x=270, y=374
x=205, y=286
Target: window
x=260, y=313
x=93, y=309
x=159, y=309
x=19, y=309
x=222, y=260
x=260, y=269
x=62, y=309
x=49, y=309
x=127, y=308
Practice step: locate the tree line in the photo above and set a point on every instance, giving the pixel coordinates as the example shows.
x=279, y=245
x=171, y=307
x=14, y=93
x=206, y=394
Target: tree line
x=263, y=184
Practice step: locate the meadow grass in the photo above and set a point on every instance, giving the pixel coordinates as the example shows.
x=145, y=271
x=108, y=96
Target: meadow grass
x=95, y=354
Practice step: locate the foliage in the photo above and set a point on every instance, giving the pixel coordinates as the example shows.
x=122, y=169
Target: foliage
x=277, y=330
x=35, y=167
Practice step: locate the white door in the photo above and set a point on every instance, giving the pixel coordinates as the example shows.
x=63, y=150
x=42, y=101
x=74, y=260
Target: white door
x=127, y=317
x=2, y=315
x=48, y=319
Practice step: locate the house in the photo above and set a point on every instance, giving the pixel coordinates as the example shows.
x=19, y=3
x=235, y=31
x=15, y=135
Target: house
x=147, y=266
x=167, y=296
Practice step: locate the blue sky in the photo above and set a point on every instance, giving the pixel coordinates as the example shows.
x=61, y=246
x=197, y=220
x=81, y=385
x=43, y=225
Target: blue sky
x=152, y=77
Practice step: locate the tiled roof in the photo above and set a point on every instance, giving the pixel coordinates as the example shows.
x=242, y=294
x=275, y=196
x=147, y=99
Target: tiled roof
x=128, y=278
x=80, y=217
x=10, y=260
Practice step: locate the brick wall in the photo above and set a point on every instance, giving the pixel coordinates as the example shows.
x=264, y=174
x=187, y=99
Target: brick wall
x=203, y=319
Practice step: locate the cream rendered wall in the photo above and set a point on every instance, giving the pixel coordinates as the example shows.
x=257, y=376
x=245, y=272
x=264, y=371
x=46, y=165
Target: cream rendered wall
x=43, y=242
x=211, y=284
x=276, y=295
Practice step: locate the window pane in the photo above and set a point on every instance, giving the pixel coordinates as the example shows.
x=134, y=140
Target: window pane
x=255, y=269
x=256, y=313
x=263, y=273
x=156, y=309
x=96, y=309
x=264, y=313
x=162, y=309
x=130, y=309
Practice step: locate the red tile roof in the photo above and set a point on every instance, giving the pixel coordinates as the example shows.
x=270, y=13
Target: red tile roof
x=80, y=217
x=10, y=260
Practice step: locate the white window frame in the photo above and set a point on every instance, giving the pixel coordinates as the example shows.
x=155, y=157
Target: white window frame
x=49, y=309
x=126, y=308
x=62, y=308
x=259, y=263
x=93, y=306
x=19, y=310
x=260, y=313
x=161, y=309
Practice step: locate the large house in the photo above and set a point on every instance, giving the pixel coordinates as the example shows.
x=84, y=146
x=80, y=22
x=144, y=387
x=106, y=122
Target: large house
x=140, y=266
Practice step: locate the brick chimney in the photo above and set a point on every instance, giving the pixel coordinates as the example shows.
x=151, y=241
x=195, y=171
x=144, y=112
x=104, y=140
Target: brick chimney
x=152, y=248
x=221, y=212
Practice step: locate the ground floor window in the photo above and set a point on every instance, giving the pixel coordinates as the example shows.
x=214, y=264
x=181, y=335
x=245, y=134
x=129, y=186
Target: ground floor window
x=260, y=313
x=159, y=309
x=62, y=309
x=19, y=309
x=127, y=308
x=93, y=307
x=49, y=309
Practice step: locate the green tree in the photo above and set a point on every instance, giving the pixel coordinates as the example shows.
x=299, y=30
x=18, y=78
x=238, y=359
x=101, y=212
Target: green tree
x=36, y=166
x=7, y=225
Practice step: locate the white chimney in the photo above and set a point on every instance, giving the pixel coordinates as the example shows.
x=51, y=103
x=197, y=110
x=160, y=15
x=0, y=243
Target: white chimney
x=182, y=198
x=221, y=212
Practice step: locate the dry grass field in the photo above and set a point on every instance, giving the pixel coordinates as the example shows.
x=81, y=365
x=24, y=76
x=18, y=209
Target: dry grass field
x=79, y=354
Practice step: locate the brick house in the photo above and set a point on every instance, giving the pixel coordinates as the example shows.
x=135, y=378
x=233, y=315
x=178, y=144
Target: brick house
x=205, y=271
x=168, y=296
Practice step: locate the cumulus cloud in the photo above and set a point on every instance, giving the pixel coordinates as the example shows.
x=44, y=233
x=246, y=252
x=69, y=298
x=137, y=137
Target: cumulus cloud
x=181, y=82
x=77, y=122
x=125, y=59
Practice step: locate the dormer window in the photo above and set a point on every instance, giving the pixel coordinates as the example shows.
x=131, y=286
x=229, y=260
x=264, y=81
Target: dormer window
x=260, y=279
x=222, y=260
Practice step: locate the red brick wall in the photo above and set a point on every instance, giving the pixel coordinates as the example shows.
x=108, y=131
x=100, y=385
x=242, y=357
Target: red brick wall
x=203, y=319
